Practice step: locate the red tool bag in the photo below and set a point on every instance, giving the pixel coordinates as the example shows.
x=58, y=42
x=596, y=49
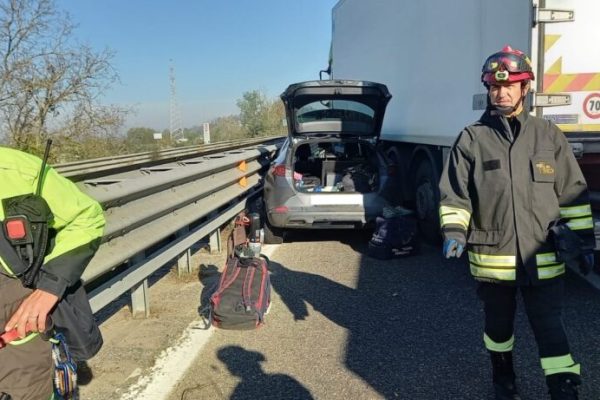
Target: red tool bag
x=243, y=295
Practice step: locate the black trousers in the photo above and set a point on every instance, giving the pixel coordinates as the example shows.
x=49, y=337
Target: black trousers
x=543, y=305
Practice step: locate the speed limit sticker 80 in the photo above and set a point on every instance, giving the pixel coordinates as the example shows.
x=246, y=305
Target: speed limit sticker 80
x=591, y=105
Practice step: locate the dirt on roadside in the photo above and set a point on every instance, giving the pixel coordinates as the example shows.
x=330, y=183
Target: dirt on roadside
x=131, y=345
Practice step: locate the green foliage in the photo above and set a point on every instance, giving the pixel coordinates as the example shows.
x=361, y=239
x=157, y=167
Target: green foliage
x=260, y=116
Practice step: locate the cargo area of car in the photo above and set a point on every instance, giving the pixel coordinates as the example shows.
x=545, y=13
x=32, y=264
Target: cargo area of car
x=344, y=166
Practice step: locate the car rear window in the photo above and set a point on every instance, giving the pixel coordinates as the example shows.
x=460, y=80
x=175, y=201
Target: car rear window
x=347, y=114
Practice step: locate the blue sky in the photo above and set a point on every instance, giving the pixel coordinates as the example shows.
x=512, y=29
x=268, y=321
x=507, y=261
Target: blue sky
x=219, y=49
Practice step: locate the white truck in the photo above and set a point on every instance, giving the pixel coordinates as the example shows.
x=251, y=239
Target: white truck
x=429, y=53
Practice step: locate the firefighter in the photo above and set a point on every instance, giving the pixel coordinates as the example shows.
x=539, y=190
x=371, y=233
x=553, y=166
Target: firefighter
x=508, y=178
x=75, y=229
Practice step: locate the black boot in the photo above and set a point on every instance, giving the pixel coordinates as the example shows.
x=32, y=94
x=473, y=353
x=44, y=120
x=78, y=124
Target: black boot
x=563, y=386
x=504, y=376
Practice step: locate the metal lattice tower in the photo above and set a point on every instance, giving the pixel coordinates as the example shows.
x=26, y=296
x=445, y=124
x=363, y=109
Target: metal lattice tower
x=175, y=115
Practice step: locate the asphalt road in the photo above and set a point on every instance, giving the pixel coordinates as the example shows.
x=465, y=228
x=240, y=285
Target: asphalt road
x=346, y=326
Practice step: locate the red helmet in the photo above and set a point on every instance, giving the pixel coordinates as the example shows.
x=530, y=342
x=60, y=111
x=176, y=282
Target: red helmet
x=507, y=65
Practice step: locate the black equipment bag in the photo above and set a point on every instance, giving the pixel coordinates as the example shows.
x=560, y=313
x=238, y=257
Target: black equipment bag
x=394, y=236
x=243, y=295
x=359, y=179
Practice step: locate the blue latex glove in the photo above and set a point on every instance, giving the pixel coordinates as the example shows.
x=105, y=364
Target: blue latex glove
x=586, y=263
x=453, y=248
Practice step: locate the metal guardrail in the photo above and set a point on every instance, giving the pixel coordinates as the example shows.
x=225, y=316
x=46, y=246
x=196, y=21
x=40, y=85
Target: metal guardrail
x=157, y=215
x=102, y=167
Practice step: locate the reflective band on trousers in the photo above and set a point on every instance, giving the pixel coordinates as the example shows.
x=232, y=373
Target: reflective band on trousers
x=453, y=215
x=559, y=365
x=498, y=347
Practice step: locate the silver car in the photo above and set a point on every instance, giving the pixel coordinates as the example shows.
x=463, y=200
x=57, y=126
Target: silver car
x=329, y=172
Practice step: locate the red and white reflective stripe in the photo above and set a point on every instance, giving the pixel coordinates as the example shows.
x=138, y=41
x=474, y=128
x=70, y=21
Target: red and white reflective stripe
x=11, y=335
x=8, y=337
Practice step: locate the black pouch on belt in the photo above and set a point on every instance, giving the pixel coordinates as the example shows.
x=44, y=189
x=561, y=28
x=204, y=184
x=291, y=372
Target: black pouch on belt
x=26, y=221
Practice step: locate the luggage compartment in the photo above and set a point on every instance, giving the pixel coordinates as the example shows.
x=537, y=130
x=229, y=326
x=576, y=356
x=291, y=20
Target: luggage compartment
x=350, y=166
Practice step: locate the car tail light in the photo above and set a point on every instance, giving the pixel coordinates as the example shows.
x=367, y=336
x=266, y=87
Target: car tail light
x=279, y=170
x=280, y=210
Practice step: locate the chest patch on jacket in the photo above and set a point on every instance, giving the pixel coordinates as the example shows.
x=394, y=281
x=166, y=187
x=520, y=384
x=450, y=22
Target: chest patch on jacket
x=544, y=168
x=491, y=165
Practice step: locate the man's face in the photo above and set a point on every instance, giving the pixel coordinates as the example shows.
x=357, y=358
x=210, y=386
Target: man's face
x=506, y=94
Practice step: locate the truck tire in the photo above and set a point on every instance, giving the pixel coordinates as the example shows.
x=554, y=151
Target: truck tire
x=427, y=199
x=273, y=235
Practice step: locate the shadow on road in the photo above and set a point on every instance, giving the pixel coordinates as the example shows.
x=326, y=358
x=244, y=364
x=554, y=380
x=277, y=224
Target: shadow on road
x=255, y=383
x=415, y=326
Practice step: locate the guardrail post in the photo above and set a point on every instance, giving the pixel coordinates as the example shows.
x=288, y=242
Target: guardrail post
x=184, y=266
x=214, y=240
x=140, y=296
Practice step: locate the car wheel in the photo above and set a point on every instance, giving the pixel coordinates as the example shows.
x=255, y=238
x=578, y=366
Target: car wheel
x=427, y=198
x=273, y=235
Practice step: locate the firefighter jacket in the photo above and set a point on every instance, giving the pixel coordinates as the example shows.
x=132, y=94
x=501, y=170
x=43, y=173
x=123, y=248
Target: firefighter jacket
x=77, y=224
x=503, y=184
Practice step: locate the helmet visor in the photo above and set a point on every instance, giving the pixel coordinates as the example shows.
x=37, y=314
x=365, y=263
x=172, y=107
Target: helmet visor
x=506, y=62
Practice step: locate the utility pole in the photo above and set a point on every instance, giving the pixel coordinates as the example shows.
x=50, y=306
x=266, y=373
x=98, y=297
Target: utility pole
x=175, y=115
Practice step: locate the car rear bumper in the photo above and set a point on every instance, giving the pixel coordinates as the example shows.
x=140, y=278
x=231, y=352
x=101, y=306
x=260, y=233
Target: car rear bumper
x=324, y=217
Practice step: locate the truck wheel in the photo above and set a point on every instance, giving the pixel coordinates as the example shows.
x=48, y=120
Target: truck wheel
x=273, y=235
x=427, y=198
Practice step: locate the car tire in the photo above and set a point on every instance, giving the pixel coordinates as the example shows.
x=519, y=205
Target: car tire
x=427, y=199
x=273, y=235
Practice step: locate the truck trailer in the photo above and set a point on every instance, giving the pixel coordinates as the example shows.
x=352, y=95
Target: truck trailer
x=429, y=53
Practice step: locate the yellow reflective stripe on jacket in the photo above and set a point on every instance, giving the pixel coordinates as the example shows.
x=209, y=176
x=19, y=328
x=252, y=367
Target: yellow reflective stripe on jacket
x=454, y=215
x=500, y=274
x=503, y=268
x=486, y=260
x=576, y=211
x=560, y=364
x=581, y=223
x=545, y=259
x=551, y=272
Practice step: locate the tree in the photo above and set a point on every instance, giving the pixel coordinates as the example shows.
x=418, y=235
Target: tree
x=47, y=80
x=226, y=128
x=252, y=109
x=259, y=116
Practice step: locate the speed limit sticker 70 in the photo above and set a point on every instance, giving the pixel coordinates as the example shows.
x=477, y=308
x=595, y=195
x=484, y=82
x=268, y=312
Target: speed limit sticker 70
x=591, y=105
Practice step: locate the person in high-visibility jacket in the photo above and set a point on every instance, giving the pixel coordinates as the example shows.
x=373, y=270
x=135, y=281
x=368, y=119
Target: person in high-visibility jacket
x=508, y=177
x=26, y=365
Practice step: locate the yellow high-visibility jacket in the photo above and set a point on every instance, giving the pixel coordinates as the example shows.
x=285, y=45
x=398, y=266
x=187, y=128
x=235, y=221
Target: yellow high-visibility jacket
x=78, y=219
x=502, y=192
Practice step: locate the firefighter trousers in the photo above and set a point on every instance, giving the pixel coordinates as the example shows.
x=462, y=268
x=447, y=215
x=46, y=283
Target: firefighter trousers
x=543, y=306
x=26, y=366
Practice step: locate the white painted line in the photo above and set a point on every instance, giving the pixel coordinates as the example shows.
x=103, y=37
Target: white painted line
x=172, y=364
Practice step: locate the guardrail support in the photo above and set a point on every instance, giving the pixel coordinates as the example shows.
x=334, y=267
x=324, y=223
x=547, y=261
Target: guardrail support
x=184, y=265
x=214, y=240
x=140, y=296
